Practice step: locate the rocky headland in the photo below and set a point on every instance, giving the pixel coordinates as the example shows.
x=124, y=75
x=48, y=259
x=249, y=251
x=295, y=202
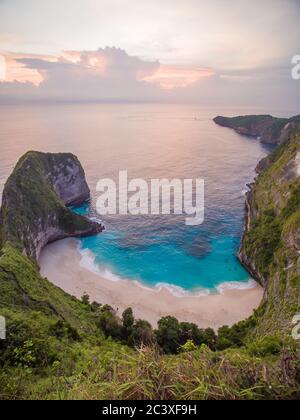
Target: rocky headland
x=267, y=129
x=35, y=202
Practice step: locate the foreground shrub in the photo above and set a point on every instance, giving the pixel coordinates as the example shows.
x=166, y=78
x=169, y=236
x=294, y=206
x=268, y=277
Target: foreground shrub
x=266, y=346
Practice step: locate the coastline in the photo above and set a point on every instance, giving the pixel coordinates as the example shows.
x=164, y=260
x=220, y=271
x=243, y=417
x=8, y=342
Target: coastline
x=61, y=263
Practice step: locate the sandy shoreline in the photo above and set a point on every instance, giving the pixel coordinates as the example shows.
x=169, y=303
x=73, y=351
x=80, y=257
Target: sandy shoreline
x=60, y=263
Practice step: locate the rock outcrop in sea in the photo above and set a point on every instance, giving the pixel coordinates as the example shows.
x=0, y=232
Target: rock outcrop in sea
x=34, y=208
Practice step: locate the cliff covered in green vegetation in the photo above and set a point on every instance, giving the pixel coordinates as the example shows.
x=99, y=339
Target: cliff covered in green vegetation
x=62, y=348
x=268, y=129
x=34, y=208
x=271, y=245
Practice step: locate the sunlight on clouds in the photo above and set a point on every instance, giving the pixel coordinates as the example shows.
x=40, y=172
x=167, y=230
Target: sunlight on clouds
x=236, y=78
x=92, y=60
x=111, y=74
x=218, y=34
x=104, y=63
x=19, y=72
x=171, y=77
x=72, y=56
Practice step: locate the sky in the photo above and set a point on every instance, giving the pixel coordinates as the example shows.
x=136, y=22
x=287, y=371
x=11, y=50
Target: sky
x=206, y=51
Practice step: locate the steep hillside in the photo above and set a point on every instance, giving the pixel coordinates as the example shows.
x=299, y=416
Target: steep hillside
x=271, y=243
x=268, y=129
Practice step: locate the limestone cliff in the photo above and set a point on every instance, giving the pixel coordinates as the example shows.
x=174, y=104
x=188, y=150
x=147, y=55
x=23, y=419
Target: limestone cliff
x=268, y=129
x=271, y=245
x=34, y=208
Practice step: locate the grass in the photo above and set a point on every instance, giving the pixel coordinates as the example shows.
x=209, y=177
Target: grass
x=113, y=373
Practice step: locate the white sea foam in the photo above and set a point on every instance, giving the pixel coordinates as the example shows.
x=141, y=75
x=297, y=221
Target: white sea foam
x=95, y=219
x=229, y=285
x=176, y=291
x=180, y=292
x=88, y=262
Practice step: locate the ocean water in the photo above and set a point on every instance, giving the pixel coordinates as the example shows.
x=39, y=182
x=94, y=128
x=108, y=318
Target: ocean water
x=149, y=141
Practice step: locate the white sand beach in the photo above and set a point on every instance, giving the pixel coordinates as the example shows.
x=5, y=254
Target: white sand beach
x=60, y=262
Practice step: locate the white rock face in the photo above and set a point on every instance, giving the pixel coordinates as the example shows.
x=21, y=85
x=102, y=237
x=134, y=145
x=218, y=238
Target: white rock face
x=69, y=182
x=297, y=164
x=292, y=169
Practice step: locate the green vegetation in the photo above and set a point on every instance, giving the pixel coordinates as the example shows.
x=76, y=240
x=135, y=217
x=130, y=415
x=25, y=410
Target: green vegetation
x=269, y=129
x=33, y=202
x=248, y=121
x=59, y=347
x=171, y=335
x=271, y=245
x=263, y=240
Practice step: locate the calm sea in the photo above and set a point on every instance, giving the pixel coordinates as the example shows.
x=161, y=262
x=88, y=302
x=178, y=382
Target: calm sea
x=149, y=141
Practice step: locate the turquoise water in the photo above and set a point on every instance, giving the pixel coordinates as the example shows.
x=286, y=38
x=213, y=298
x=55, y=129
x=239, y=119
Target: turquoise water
x=149, y=141
x=168, y=262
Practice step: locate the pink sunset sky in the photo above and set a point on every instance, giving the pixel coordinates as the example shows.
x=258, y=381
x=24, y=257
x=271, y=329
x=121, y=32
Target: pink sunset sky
x=208, y=51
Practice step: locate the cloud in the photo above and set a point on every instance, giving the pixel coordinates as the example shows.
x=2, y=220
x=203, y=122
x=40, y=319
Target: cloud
x=112, y=75
x=104, y=63
x=108, y=74
x=171, y=77
x=211, y=33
